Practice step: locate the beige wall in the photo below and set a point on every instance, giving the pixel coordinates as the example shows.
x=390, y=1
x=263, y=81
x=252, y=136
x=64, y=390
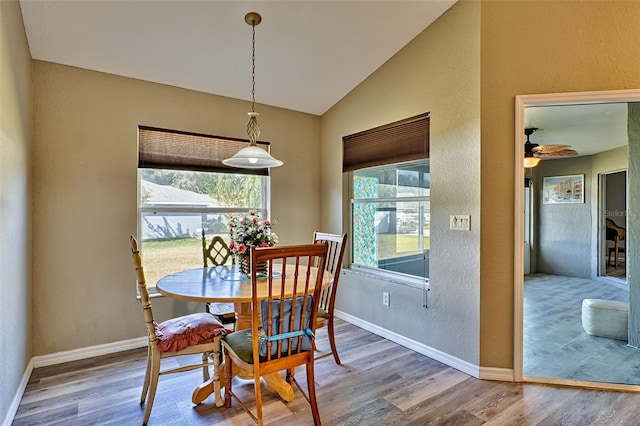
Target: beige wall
x=15, y=204
x=439, y=72
x=85, y=163
x=84, y=178
x=531, y=47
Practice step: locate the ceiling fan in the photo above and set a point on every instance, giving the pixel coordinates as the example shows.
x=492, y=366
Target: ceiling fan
x=533, y=152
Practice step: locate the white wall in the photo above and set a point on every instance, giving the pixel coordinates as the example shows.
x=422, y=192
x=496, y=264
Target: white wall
x=15, y=205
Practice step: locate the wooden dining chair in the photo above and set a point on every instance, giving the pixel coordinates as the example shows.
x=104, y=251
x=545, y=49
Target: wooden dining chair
x=335, y=253
x=193, y=334
x=217, y=253
x=282, y=329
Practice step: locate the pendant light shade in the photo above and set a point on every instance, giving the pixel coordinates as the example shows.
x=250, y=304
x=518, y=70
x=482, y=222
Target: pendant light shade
x=253, y=157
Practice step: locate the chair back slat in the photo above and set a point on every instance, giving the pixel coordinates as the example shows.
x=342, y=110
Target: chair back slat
x=287, y=322
x=335, y=253
x=216, y=252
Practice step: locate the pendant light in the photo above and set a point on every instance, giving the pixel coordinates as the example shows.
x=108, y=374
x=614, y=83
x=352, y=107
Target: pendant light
x=253, y=157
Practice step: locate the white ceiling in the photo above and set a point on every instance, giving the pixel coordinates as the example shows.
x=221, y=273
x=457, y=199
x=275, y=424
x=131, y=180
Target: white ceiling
x=588, y=128
x=309, y=54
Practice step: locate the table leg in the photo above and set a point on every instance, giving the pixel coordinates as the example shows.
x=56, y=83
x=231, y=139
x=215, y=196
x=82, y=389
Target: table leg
x=274, y=381
x=279, y=385
x=211, y=386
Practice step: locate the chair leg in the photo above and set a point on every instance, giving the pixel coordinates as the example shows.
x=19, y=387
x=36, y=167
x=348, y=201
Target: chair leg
x=258, y=391
x=216, y=377
x=332, y=341
x=290, y=375
x=311, y=390
x=153, y=384
x=147, y=373
x=205, y=367
x=228, y=366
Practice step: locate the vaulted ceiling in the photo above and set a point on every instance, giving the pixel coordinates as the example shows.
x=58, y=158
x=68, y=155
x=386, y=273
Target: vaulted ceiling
x=309, y=54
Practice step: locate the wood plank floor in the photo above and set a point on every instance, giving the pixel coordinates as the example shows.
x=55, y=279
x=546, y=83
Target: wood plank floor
x=379, y=383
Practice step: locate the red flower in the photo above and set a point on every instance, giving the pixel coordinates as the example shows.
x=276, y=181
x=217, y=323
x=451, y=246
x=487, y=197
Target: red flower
x=231, y=245
x=264, y=245
x=242, y=248
x=267, y=223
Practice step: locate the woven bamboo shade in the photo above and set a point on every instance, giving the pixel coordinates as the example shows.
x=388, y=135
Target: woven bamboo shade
x=171, y=149
x=397, y=142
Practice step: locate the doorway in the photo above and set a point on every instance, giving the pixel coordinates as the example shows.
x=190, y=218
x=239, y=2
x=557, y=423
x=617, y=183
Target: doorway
x=613, y=211
x=521, y=226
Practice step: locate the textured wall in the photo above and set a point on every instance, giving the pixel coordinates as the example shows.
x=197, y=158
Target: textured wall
x=437, y=72
x=563, y=242
x=15, y=203
x=85, y=165
x=532, y=47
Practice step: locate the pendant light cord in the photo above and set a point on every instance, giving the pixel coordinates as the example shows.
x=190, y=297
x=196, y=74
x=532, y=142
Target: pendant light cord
x=253, y=69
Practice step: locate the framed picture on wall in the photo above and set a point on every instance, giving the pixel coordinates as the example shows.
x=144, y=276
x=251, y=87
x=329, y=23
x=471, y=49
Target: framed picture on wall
x=563, y=189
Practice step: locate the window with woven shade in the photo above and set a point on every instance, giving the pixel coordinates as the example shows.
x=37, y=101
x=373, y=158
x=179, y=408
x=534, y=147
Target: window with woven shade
x=185, y=192
x=389, y=174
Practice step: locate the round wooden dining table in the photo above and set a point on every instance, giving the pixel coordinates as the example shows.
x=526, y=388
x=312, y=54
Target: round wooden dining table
x=224, y=284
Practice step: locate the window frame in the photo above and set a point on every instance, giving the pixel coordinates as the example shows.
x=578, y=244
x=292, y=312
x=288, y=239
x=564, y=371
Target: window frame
x=375, y=272
x=160, y=157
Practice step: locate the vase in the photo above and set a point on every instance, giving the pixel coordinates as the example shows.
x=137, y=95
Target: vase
x=245, y=265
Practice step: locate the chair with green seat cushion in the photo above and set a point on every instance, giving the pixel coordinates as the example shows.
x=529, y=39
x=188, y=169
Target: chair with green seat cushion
x=335, y=254
x=280, y=323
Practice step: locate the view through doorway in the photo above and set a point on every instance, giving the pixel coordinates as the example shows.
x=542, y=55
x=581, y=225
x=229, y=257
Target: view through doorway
x=593, y=253
x=613, y=211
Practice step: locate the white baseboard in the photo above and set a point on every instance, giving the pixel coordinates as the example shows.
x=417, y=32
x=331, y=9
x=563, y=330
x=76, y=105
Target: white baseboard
x=66, y=356
x=13, y=408
x=88, y=352
x=421, y=348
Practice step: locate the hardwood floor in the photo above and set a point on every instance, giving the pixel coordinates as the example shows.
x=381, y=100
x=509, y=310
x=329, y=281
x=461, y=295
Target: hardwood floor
x=379, y=383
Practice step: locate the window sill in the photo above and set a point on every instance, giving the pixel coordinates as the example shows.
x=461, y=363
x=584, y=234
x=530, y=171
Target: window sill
x=394, y=277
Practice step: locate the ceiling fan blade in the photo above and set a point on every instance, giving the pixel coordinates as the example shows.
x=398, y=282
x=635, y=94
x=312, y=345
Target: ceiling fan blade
x=550, y=148
x=560, y=153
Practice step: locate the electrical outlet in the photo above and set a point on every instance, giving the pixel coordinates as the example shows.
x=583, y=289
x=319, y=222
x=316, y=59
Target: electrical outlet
x=385, y=299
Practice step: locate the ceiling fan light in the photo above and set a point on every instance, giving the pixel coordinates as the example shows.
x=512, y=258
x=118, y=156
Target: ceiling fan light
x=252, y=157
x=530, y=162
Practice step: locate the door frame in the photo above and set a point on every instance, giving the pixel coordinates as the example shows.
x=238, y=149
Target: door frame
x=521, y=102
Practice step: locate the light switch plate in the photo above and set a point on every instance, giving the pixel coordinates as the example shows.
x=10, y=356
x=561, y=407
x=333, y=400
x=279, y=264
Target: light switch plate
x=460, y=222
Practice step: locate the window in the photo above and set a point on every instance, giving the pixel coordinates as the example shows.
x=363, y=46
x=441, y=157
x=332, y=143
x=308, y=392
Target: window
x=390, y=199
x=178, y=198
x=391, y=218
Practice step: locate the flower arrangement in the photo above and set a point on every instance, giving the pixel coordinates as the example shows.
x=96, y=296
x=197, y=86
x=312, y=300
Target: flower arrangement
x=250, y=231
